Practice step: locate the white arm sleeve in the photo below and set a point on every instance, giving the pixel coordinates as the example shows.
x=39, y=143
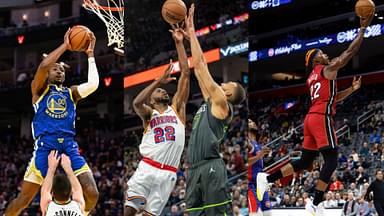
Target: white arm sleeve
x=91, y=85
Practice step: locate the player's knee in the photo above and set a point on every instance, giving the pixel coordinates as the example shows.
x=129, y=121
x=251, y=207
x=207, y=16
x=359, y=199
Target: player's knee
x=91, y=193
x=330, y=164
x=305, y=161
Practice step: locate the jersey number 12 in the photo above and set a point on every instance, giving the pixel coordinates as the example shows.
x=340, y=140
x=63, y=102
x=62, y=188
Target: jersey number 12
x=315, y=88
x=166, y=134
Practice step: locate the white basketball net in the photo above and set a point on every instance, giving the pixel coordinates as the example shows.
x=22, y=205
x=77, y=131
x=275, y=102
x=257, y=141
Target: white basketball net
x=113, y=22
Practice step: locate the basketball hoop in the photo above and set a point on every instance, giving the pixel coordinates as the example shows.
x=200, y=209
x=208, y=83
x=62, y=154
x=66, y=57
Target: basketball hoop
x=113, y=17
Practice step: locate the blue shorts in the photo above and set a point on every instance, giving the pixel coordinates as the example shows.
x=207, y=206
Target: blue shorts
x=254, y=203
x=38, y=166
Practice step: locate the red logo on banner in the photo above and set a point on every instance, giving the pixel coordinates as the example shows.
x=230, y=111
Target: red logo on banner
x=20, y=39
x=107, y=81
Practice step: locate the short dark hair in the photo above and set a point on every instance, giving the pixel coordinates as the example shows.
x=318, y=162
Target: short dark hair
x=378, y=170
x=239, y=94
x=61, y=187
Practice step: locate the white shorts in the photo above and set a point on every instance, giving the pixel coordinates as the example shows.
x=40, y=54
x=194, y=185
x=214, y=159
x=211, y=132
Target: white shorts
x=149, y=188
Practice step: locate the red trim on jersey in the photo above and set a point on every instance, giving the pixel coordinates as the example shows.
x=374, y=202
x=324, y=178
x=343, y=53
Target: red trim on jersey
x=159, y=165
x=252, y=204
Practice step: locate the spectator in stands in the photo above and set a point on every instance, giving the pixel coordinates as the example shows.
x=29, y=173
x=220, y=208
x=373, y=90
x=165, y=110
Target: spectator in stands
x=336, y=184
x=354, y=155
x=361, y=176
x=351, y=207
x=286, y=201
x=339, y=201
x=353, y=189
x=174, y=211
x=364, y=151
x=377, y=187
x=374, y=137
x=329, y=202
x=364, y=209
x=300, y=202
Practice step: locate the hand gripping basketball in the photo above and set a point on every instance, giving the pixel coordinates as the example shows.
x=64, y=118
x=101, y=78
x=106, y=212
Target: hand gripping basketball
x=66, y=39
x=91, y=45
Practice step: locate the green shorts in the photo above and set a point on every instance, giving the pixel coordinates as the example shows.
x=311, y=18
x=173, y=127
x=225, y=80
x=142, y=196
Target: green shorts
x=208, y=192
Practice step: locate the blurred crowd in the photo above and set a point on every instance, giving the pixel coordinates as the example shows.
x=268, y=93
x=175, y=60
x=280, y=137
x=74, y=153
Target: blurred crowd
x=361, y=152
x=102, y=149
x=232, y=151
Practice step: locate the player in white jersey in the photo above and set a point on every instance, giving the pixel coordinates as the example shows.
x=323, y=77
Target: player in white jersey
x=163, y=139
x=57, y=190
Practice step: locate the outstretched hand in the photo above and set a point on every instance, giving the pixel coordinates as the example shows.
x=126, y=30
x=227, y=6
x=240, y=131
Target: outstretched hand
x=356, y=83
x=189, y=23
x=178, y=33
x=166, y=77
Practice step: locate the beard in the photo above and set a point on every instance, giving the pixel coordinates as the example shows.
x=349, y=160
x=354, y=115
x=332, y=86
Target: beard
x=164, y=100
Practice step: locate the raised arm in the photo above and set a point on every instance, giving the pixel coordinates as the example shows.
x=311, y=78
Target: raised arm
x=143, y=110
x=45, y=191
x=341, y=95
x=85, y=89
x=259, y=155
x=181, y=97
x=77, y=191
x=209, y=88
x=330, y=71
x=38, y=83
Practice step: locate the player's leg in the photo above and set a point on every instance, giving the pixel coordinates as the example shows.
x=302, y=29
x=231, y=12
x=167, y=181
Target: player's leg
x=33, y=178
x=139, y=186
x=252, y=203
x=90, y=191
x=327, y=143
x=194, y=192
x=265, y=205
x=160, y=191
x=214, y=180
x=379, y=206
x=308, y=155
x=23, y=199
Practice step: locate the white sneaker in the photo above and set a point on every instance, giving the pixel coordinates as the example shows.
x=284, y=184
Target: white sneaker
x=310, y=207
x=314, y=210
x=320, y=209
x=262, y=185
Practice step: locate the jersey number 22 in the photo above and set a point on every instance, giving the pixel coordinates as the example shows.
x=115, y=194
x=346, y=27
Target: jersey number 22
x=166, y=134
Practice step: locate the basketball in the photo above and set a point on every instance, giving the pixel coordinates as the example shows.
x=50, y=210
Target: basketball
x=79, y=38
x=364, y=8
x=174, y=11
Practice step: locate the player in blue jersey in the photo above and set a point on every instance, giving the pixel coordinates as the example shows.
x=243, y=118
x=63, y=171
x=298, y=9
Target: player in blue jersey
x=255, y=165
x=53, y=126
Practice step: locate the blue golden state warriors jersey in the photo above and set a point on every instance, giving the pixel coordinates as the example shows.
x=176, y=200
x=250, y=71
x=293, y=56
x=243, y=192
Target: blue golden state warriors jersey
x=258, y=166
x=55, y=113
